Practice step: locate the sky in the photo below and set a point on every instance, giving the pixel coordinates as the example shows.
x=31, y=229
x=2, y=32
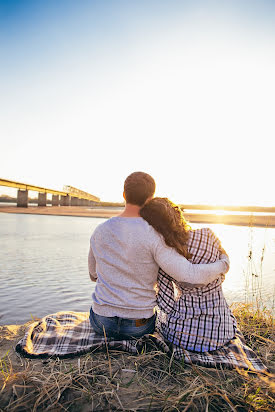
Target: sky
x=91, y=91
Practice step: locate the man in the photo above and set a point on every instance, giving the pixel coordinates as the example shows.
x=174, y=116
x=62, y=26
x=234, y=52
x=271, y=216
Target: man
x=124, y=257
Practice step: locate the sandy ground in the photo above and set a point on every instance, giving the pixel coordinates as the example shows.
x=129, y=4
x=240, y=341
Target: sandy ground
x=9, y=337
x=82, y=383
x=63, y=211
x=267, y=220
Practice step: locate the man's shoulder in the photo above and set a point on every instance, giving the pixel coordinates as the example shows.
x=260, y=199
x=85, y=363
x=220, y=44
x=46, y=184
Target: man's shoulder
x=104, y=226
x=118, y=223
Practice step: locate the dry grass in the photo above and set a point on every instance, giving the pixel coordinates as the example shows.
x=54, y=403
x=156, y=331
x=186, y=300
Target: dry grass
x=257, y=326
x=150, y=381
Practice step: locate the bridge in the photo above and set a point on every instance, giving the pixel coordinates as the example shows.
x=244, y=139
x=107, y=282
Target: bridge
x=70, y=196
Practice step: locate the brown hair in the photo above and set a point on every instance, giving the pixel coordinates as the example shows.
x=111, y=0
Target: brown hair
x=167, y=219
x=138, y=187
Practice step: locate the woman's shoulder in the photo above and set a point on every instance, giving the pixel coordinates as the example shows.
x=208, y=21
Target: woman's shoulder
x=203, y=245
x=202, y=230
x=200, y=233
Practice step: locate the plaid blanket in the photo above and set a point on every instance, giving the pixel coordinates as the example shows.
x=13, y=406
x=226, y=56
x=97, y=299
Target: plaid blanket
x=66, y=334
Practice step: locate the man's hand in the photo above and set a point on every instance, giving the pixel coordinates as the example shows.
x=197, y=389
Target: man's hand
x=93, y=279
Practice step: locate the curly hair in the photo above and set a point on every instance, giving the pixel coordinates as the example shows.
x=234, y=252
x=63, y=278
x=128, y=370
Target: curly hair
x=167, y=219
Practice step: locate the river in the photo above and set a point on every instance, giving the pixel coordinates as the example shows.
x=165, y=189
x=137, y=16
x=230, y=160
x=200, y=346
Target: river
x=43, y=265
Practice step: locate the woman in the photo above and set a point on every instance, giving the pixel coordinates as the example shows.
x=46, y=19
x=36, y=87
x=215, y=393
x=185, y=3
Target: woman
x=195, y=317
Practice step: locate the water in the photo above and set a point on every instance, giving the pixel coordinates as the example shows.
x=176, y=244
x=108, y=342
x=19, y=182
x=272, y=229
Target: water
x=44, y=264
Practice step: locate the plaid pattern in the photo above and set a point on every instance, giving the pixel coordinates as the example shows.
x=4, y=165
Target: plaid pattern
x=195, y=318
x=66, y=334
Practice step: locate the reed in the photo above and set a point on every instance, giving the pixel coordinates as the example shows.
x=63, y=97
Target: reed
x=253, y=274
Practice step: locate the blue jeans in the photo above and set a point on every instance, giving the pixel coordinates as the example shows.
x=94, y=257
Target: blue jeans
x=120, y=328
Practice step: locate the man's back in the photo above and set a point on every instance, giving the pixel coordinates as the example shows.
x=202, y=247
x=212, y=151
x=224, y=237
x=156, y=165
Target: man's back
x=125, y=266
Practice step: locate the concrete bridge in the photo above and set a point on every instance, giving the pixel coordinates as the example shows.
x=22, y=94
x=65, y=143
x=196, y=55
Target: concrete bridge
x=71, y=196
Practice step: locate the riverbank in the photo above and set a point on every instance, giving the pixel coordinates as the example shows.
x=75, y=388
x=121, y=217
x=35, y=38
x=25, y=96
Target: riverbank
x=249, y=219
x=150, y=381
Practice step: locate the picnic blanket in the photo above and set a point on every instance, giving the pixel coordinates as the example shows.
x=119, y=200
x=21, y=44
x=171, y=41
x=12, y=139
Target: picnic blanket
x=66, y=334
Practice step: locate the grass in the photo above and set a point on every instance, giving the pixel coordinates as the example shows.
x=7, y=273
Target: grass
x=151, y=381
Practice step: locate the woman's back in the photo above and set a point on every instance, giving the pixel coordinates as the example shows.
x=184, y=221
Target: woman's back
x=193, y=316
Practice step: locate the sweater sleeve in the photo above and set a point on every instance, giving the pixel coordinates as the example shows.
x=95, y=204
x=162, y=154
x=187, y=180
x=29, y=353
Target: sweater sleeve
x=92, y=265
x=179, y=268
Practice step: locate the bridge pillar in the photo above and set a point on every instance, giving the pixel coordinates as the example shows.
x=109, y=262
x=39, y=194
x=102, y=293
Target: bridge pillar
x=22, y=198
x=65, y=200
x=42, y=199
x=75, y=201
x=55, y=200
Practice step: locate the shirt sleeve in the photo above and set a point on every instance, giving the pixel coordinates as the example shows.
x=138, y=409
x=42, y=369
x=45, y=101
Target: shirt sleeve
x=92, y=265
x=179, y=268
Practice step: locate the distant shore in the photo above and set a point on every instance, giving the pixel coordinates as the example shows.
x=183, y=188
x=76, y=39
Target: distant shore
x=249, y=219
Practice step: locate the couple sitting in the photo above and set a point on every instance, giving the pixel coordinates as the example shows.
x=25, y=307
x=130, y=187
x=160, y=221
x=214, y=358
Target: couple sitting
x=151, y=244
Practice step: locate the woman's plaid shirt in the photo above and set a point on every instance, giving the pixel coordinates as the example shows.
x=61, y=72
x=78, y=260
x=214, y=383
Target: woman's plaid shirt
x=196, y=318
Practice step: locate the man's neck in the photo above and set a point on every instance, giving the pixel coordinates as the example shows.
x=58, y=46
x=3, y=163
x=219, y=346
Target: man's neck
x=130, y=211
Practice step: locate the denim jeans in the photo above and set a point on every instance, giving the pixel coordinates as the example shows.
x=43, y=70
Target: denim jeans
x=120, y=328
